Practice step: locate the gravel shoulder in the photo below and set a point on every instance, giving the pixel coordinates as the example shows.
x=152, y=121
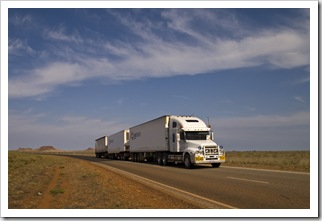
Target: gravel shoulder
x=58, y=182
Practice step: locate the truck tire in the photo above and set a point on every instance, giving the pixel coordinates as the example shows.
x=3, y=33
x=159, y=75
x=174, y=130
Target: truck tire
x=137, y=157
x=215, y=165
x=159, y=159
x=164, y=159
x=187, y=161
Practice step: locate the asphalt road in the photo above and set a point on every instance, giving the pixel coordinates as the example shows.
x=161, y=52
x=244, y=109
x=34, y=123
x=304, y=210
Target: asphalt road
x=230, y=186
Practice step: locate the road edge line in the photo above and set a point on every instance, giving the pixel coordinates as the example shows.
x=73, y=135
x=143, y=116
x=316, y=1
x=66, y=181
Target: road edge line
x=184, y=195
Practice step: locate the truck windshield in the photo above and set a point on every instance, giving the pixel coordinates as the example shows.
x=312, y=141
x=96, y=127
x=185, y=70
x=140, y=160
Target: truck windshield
x=196, y=135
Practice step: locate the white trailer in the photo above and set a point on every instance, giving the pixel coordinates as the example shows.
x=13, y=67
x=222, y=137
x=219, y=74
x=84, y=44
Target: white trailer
x=118, y=145
x=182, y=139
x=101, y=147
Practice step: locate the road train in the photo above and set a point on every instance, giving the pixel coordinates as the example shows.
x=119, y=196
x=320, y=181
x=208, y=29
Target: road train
x=167, y=139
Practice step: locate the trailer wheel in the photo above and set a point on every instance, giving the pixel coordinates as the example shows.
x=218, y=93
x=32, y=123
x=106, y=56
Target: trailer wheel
x=164, y=159
x=215, y=165
x=187, y=161
x=159, y=159
x=137, y=157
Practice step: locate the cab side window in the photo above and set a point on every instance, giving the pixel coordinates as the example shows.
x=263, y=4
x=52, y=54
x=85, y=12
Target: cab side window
x=174, y=124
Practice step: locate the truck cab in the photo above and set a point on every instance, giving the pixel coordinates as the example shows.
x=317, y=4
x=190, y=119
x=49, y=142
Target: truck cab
x=189, y=136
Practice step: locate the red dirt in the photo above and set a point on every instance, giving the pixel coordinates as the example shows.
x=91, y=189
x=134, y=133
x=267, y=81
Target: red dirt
x=47, y=198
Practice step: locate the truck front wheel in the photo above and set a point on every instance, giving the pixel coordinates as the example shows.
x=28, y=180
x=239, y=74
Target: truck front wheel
x=187, y=161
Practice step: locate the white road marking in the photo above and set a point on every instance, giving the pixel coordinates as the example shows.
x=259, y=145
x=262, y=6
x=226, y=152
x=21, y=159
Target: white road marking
x=247, y=180
x=266, y=170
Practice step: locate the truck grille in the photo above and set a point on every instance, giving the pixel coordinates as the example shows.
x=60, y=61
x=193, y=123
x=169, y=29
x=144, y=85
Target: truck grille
x=211, y=150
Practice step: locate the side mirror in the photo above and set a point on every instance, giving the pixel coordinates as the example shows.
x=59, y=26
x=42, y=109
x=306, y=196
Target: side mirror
x=221, y=147
x=212, y=135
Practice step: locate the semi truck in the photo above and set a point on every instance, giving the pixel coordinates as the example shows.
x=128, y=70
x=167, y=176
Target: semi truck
x=118, y=145
x=101, y=145
x=175, y=139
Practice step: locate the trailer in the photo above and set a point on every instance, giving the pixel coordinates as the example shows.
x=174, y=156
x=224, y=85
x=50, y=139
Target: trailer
x=101, y=147
x=175, y=139
x=118, y=145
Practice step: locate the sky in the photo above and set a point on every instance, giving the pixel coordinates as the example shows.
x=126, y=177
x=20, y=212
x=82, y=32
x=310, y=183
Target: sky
x=75, y=75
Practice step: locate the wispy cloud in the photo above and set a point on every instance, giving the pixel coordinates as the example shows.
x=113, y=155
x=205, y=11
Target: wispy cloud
x=151, y=54
x=19, y=47
x=22, y=21
x=61, y=35
x=300, y=99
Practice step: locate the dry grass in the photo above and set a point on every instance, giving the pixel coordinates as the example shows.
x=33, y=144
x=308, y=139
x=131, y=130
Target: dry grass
x=28, y=177
x=280, y=160
x=48, y=181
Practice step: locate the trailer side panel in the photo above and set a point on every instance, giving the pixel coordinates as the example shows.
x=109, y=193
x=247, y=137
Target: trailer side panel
x=150, y=136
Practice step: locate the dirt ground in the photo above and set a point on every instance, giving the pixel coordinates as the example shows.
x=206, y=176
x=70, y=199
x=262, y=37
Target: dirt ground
x=66, y=183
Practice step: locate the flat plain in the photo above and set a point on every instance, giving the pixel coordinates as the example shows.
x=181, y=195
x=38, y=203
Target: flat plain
x=48, y=180
x=275, y=160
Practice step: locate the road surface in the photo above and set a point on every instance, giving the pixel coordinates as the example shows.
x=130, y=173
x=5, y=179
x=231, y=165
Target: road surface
x=229, y=187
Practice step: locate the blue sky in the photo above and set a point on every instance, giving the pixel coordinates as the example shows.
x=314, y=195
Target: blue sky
x=78, y=74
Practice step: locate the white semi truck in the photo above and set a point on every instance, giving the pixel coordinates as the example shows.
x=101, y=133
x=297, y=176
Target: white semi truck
x=180, y=139
x=101, y=145
x=118, y=145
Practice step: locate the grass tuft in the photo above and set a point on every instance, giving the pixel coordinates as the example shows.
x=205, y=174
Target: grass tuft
x=57, y=190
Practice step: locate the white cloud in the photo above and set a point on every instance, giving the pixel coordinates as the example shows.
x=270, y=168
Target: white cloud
x=154, y=56
x=45, y=80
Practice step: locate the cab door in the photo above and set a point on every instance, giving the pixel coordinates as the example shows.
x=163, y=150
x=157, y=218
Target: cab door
x=174, y=136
